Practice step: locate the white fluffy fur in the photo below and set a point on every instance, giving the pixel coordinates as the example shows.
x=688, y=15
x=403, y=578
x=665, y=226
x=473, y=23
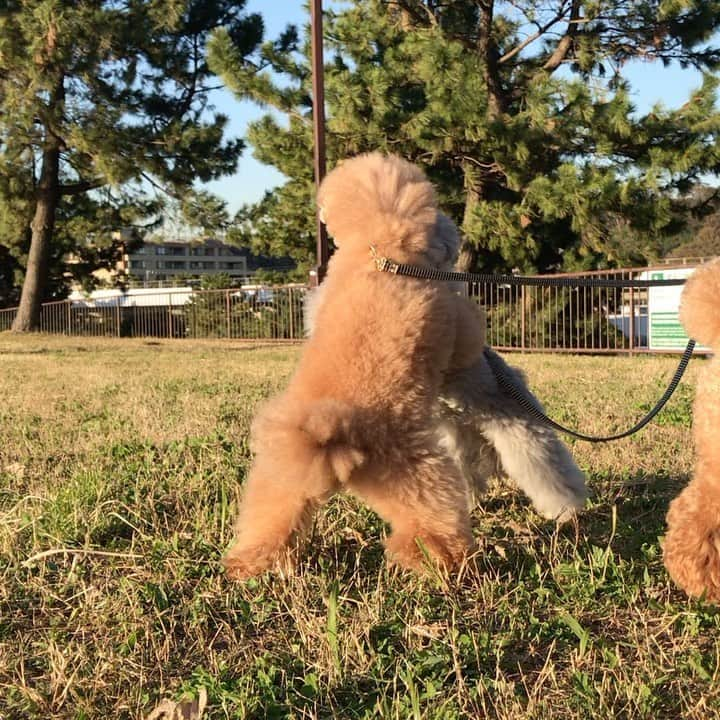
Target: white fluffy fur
x=493, y=435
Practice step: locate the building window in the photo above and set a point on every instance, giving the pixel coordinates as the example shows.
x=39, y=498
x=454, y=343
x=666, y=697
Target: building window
x=203, y=251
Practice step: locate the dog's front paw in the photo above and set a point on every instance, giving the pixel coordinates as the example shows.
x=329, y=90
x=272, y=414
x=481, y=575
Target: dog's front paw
x=565, y=509
x=560, y=500
x=691, y=549
x=413, y=552
x=695, y=567
x=242, y=562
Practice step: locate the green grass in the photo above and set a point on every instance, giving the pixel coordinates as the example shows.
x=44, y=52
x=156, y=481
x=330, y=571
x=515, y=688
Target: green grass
x=120, y=467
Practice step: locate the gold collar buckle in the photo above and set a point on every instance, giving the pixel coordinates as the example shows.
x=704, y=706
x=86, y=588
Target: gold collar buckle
x=382, y=263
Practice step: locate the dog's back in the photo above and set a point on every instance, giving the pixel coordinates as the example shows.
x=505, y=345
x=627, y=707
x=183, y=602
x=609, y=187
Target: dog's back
x=380, y=341
x=374, y=364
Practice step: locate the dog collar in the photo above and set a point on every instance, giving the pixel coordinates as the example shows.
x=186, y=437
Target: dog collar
x=382, y=263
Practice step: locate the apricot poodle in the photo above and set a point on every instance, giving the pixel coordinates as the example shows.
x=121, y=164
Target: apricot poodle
x=692, y=542
x=359, y=414
x=487, y=433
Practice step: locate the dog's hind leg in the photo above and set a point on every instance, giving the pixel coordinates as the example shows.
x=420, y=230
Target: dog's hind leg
x=303, y=454
x=426, y=503
x=283, y=491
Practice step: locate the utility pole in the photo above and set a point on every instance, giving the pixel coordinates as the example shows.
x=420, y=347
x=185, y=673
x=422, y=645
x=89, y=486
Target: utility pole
x=318, y=90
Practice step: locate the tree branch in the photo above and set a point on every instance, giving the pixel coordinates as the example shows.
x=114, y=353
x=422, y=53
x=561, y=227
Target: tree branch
x=81, y=187
x=563, y=47
x=412, y=12
x=532, y=38
x=148, y=178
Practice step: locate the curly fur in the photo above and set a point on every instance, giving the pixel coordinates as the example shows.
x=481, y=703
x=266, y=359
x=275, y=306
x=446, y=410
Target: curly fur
x=359, y=414
x=692, y=542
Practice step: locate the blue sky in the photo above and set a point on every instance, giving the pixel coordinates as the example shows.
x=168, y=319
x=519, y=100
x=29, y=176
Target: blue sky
x=651, y=83
x=252, y=177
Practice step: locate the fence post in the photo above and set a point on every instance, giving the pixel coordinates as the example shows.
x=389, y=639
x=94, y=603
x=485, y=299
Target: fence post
x=522, y=318
x=69, y=316
x=632, y=320
x=227, y=313
x=291, y=310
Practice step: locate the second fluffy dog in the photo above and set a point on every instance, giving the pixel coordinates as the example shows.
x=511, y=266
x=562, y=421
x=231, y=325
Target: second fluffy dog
x=692, y=543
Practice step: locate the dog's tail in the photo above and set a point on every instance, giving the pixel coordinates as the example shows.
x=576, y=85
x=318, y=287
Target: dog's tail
x=700, y=304
x=323, y=438
x=334, y=426
x=385, y=200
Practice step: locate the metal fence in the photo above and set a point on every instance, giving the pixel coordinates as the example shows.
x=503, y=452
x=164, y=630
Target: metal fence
x=530, y=319
x=579, y=319
x=273, y=313
x=572, y=319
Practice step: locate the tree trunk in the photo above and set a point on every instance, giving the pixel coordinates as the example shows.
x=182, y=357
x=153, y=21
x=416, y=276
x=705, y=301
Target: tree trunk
x=43, y=224
x=497, y=102
x=467, y=257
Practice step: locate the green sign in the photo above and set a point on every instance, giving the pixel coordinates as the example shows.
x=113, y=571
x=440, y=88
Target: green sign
x=665, y=330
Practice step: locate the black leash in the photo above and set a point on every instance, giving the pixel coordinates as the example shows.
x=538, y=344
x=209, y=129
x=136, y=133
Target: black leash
x=519, y=395
x=505, y=381
x=427, y=273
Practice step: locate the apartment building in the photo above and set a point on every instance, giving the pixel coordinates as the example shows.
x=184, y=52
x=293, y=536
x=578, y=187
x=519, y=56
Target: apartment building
x=153, y=262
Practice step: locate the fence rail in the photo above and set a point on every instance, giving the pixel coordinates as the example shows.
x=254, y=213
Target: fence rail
x=530, y=319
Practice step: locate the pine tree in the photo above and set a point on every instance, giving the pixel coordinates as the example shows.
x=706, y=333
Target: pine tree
x=519, y=111
x=97, y=94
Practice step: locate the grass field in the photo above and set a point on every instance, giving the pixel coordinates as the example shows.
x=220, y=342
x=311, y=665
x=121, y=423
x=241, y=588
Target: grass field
x=120, y=468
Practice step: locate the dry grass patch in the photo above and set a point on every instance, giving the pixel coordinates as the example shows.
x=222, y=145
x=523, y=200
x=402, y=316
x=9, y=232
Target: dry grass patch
x=119, y=471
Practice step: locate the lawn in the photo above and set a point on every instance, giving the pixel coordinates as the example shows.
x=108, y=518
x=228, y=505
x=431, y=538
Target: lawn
x=120, y=467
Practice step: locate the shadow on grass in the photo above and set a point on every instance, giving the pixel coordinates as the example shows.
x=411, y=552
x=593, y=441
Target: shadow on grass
x=639, y=505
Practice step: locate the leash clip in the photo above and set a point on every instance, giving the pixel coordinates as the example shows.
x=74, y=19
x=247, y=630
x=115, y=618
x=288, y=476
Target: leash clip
x=382, y=263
